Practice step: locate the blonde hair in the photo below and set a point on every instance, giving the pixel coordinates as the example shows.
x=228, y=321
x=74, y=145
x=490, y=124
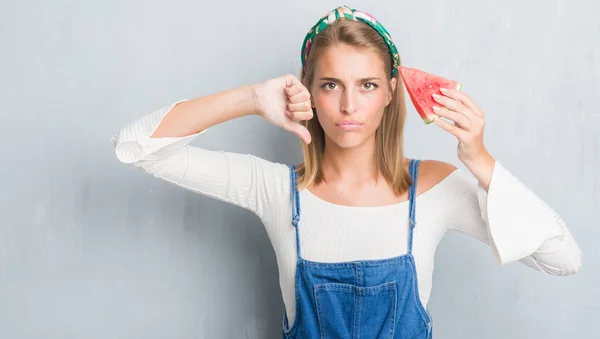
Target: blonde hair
x=390, y=133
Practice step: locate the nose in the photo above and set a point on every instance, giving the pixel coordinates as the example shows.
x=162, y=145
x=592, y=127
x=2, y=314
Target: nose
x=348, y=104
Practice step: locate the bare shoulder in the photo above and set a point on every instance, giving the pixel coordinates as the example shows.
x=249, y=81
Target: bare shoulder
x=431, y=173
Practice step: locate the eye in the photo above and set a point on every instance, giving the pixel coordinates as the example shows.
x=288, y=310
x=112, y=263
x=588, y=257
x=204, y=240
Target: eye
x=370, y=86
x=328, y=85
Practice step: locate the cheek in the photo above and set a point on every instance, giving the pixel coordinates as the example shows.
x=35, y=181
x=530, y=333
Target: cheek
x=374, y=105
x=326, y=105
x=324, y=99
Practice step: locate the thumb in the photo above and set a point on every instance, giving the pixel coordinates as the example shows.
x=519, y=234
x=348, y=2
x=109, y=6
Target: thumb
x=299, y=130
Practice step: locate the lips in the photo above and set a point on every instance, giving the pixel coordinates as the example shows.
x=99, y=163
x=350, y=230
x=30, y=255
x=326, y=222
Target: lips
x=349, y=125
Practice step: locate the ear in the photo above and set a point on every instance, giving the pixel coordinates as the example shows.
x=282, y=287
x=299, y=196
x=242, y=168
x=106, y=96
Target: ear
x=392, y=90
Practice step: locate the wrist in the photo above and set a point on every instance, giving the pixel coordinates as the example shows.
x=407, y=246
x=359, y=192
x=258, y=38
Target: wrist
x=483, y=157
x=253, y=92
x=482, y=168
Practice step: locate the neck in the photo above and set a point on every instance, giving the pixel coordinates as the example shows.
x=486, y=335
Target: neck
x=350, y=164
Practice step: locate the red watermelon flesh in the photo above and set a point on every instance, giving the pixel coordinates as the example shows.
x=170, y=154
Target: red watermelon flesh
x=420, y=86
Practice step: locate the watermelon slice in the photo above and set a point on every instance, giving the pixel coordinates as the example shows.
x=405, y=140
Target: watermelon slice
x=420, y=86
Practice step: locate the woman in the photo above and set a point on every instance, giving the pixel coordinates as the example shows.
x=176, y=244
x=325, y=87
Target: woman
x=357, y=259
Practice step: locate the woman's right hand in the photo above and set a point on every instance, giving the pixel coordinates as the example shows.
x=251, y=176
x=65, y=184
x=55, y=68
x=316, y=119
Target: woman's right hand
x=283, y=100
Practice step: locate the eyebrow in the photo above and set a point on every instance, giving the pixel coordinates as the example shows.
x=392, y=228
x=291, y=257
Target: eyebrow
x=360, y=80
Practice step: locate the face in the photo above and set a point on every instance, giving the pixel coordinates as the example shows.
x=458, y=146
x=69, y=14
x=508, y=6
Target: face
x=350, y=91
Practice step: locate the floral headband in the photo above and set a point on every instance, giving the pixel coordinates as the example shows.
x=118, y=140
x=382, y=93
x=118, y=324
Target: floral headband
x=345, y=12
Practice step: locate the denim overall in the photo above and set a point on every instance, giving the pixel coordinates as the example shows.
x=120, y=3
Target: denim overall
x=358, y=299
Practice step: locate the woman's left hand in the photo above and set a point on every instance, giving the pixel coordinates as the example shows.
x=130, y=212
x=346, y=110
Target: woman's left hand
x=467, y=124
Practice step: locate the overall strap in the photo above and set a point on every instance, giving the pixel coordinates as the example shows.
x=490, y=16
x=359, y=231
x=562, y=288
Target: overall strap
x=295, y=198
x=412, y=195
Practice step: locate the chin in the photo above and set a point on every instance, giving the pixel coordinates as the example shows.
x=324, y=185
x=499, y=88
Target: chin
x=348, y=140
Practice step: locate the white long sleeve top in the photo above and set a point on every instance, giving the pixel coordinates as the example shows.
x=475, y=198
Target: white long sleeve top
x=517, y=224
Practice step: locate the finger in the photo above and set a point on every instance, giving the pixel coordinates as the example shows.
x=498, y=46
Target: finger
x=294, y=90
x=450, y=128
x=458, y=118
x=450, y=103
x=300, y=115
x=300, y=106
x=464, y=98
x=303, y=95
x=299, y=130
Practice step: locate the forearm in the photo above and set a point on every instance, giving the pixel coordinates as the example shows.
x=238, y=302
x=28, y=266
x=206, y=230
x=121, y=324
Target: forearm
x=195, y=115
